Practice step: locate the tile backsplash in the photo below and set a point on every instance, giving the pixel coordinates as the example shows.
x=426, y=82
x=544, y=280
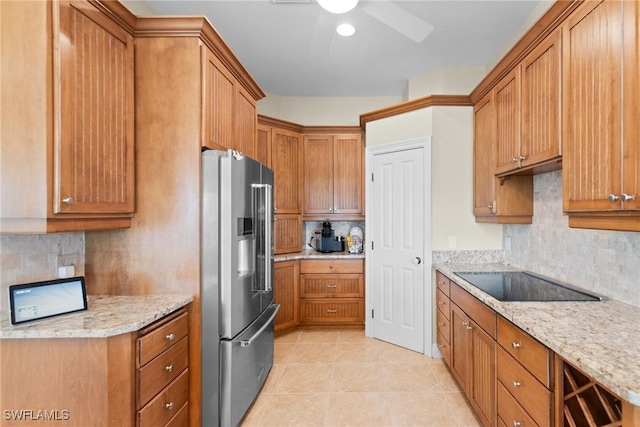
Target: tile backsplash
x=606, y=262
x=28, y=258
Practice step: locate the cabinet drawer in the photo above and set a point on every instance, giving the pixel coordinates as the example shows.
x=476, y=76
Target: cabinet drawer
x=166, y=404
x=525, y=388
x=331, y=266
x=475, y=309
x=181, y=419
x=445, y=348
x=332, y=286
x=443, y=325
x=442, y=283
x=160, y=339
x=155, y=375
x=510, y=412
x=332, y=311
x=526, y=350
x=443, y=303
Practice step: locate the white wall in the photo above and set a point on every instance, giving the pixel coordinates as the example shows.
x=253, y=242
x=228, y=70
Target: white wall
x=139, y=7
x=446, y=80
x=310, y=111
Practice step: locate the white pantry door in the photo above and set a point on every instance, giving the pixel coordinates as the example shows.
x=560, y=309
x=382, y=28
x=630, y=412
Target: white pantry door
x=397, y=235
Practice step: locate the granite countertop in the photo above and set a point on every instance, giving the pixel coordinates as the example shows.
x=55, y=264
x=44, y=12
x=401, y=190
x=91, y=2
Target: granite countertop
x=602, y=338
x=106, y=316
x=313, y=254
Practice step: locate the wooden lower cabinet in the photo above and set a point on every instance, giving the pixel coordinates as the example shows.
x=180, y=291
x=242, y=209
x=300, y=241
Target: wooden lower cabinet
x=132, y=379
x=285, y=293
x=332, y=293
x=473, y=356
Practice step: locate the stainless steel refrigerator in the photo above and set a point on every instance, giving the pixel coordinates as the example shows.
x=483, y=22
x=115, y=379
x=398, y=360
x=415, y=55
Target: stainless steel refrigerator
x=237, y=284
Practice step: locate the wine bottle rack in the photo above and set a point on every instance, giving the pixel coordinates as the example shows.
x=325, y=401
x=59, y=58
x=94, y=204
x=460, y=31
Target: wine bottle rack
x=587, y=403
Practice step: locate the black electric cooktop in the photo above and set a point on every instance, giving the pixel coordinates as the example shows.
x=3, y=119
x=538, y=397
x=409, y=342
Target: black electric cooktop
x=524, y=286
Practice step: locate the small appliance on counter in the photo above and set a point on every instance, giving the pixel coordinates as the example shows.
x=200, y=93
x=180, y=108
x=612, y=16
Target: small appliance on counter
x=355, y=240
x=326, y=241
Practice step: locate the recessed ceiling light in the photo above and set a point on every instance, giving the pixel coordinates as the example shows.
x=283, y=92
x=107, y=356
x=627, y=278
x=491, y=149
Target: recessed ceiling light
x=346, y=30
x=338, y=6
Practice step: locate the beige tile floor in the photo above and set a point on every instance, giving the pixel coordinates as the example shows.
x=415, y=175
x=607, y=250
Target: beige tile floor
x=342, y=378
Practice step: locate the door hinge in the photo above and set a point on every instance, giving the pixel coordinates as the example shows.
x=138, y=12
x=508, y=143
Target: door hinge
x=371, y=177
x=372, y=314
x=372, y=245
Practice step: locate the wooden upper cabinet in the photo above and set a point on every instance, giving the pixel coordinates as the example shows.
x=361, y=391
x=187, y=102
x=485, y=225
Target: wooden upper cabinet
x=229, y=117
x=94, y=145
x=263, y=145
x=218, y=90
x=601, y=186
x=484, y=131
x=318, y=174
x=507, y=110
x=528, y=111
x=286, y=159
x=333, y=174
x=540, y=78
x=499, y=200
x=68, y=156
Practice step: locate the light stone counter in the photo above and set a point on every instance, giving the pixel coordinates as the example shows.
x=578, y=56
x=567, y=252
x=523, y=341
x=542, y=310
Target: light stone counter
x=313, y=254
x=602, y=338
x=106, y=316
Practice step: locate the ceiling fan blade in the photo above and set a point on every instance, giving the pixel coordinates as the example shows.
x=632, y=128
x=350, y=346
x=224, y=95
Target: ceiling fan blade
x=399, y=19
x=324, y=33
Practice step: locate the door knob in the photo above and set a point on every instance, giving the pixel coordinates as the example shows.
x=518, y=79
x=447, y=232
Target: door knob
x=417, y=260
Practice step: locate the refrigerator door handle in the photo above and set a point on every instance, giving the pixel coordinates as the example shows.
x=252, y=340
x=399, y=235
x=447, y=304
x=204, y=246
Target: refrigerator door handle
x=266, y=231
x=247, y=343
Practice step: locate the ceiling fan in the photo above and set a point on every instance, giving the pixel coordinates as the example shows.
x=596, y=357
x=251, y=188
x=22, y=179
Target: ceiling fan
x=384, y=11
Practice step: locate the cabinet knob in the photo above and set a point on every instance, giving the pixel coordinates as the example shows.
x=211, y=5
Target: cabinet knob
x=521, y=158
x=465, y=323
x=613, y=198
x=515, y=344
x=490, y=206
x=169, y=405
x=469, y=328
x=68, y=200
x=516, y=384
x=170, y=337
x=441, y=324
x=514, y=159
x=626, y=197
x=330, y=209
x=169, y=368
x=440, y=302
x=516, y=423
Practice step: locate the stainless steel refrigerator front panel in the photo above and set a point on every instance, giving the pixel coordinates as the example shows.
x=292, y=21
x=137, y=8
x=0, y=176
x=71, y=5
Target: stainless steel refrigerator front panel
x=246, y=362
x=240, y=303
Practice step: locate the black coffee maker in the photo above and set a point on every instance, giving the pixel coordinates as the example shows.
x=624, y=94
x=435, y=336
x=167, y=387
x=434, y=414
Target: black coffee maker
x=327, y=242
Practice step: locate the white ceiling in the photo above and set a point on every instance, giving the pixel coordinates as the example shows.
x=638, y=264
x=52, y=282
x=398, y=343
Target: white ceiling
x=275, y=41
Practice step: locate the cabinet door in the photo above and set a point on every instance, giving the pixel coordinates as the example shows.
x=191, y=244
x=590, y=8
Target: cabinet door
x=263, y=146
x=246, y=122
x=285, y=293
x=286, y=159
x=94, y=137
x=592, y=106
x=287, y=233
x=318, y=174
x=218, y=94
x=483, y=374
x=460, y=347
x=507, y=110
x=348, y=174
x=541, y=74
x=484, y=131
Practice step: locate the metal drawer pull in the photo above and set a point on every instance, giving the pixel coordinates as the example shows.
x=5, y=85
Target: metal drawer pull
x=169, y=368
x=332, y=286
x=68, y=200
x=332, y=310
x=516, y=423
x=169, y=405
x=516, y=384
x=170, y=336
x=515, y=344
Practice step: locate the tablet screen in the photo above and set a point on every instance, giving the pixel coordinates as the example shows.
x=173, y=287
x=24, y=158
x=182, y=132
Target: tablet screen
x=33, y=301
